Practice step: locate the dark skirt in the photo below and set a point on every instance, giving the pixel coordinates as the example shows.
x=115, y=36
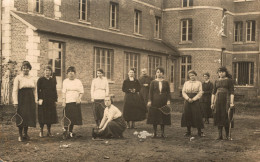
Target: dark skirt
x=47, y=113
x=220, y=113
x=134, y=107
x=114, y=129
x=73, y=113
x=144, y=94
x=26, y=108
x=98, y=108
x=155, y=116
x=206, y=110
x=192, y=116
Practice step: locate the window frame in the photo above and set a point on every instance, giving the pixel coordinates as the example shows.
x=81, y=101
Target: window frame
x=188, y=66
x=137, y=28
x=116, y=15
x=189, y=3
x=188, y=27
x=239, y=31
x=152, y=65
x=250, y=72
x=251, y=30
x=127, y=68
x=157, y=27
x=35, y=6
x=81, y=11
x=61, y=50
x=104, y=51
x=38, y=6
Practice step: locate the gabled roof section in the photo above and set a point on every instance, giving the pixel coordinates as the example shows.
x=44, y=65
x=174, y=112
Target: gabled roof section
x=40, y=23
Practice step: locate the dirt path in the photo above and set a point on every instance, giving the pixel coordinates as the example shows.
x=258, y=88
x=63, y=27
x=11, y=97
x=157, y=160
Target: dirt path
x=244, y=147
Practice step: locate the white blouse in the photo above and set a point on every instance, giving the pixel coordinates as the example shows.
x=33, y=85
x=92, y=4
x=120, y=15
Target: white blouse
x=72, y=89
x=22, y=81
x=112, y=113
x=192, y=87
x=99, y=88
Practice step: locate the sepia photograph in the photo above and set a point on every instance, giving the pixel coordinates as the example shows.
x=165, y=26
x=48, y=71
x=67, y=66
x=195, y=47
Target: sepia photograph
x=129, y=80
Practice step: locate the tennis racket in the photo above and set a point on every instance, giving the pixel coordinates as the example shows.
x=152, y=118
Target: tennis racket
x=17, y=118
x=166, y=110
x=65, y=121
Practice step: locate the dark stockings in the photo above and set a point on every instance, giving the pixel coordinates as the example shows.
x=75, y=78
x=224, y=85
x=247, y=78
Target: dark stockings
x=48, y=127
x=155, y=130
x=20, y=131
x=162, y=130
x=220, y=137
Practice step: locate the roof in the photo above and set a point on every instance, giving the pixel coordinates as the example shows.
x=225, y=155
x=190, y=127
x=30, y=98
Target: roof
x=40, y=23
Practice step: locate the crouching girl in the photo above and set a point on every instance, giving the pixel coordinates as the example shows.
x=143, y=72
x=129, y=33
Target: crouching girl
x=112, y=124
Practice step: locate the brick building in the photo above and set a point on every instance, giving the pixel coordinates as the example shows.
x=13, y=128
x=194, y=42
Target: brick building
x=118, y=34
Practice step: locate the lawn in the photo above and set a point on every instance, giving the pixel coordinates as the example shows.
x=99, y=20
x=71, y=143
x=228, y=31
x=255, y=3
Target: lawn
x=176, y=147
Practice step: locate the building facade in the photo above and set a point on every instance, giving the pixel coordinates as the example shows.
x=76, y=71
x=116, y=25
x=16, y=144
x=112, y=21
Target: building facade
x=116, y=35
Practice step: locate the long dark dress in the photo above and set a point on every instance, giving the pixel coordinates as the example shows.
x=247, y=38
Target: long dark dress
x=144, y=92
x=205, y=100
x=46, y=89
x=134, y=106
x=222, y=90
x=158, y=99
x=192, y=116
x=26, y=108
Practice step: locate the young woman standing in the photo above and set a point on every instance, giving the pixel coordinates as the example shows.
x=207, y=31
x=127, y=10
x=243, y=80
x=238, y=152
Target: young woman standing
x=72, y=92
x=24, y=100
x=47, y=98
x=159, y=96
x=222, y=101
x=134, y=106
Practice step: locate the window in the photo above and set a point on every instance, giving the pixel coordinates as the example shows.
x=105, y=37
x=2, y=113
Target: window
x=238, y=37
x=137, y=23
x=185, y=67
x=187, y=3
x=38, y=4
x=157, y=27
x=55, y=60
x=250, y=30
x=186, y=30
x=243, y=73
x=114, y=15
x=83, y=9
x=35, y=6
x=131, y=61
x=55, y=53
x=153, y=63
x=103, y=59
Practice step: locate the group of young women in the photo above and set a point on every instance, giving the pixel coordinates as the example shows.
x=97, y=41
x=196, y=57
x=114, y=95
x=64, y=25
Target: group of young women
x=204, y=99
x=110, y=122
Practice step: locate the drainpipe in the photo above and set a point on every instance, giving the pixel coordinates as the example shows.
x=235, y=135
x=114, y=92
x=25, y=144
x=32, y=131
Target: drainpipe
x=222, y=56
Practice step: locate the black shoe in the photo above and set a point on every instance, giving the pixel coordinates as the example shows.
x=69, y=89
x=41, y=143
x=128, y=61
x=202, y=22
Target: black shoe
x=26, y=137
x=49, y=134
x=163, y=135
x=220, y=138
x=187, y=134
x=65, y=135
x=201, y=134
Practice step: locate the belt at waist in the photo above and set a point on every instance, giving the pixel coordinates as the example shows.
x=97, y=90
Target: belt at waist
x=191, y=95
